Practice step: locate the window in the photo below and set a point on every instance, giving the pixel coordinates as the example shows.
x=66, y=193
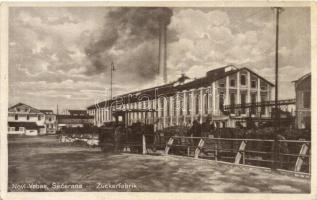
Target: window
x=232, y=83
x=18, y=109
x=50, y=119
x=168, y=107
x=206, y=103
x=263, y=99
x=174, y=106
x=146, y=105
x=263, y=85
x=221, y=101
x=120, y=118
x=306, y=99
x=16, y=117
x=197, y=103
x=253, y=102
x=243, y=79
x=151, y=104
x=221, y=85
x=232, y=101
x=28, y=117
x=253, y=83
x=162, y=106
x=243, y=100
x=188, y=104
x=181, y=106
x=21, y=129
x=39, y=117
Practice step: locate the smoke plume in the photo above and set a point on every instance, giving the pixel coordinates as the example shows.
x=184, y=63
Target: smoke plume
x=129, y=38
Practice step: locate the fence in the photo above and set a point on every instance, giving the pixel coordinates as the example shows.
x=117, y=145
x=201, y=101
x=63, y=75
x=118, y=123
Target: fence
x=292, y=155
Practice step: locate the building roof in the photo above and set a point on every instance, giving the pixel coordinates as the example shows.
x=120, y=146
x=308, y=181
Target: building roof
x=171, y=88
x=77, y=112
x=47, y=111
x=302, y=78
x=26, y=125
x=59, y=117
x=22, y=104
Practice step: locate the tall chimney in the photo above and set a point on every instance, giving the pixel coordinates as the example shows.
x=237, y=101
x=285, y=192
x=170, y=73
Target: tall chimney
x=162, y=52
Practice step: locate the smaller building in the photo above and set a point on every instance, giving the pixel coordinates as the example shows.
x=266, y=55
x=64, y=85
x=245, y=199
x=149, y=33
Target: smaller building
x=74, y=118
x=50, y=121
x=76, y=112
x=24, y=128
x=303, y=102
x=25, y=120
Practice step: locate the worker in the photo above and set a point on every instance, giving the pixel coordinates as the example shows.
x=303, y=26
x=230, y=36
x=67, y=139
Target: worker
x=118, y=136
x=196, y=131
x=206, y=128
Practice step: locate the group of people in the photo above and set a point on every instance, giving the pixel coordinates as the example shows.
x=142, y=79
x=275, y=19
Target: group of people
x=201, y=130
x=196, y=130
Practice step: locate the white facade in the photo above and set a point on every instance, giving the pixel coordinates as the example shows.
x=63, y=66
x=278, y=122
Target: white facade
x=194, y=101
x=25, y=120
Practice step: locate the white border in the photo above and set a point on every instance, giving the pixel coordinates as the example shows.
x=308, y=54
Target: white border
x=142, y=195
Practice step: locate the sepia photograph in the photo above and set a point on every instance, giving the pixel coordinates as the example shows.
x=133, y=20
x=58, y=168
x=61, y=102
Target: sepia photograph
x=159, y=99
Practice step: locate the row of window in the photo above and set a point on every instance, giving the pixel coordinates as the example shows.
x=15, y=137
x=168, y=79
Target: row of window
x=187, y=108
x=25, y=110
x=243, y=102
x=49, y=125
x=16, y=117
x=11, y=129
x=242, y=82
x=103, y=115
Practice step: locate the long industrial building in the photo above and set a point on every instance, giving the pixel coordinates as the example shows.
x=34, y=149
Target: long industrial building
x=185, y=100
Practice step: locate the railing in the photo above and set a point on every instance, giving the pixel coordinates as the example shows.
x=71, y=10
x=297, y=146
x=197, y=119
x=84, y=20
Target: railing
x=259, y=104
x=292, y=155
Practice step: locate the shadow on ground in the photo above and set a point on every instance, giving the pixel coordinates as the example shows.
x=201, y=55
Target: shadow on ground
x=43, y=160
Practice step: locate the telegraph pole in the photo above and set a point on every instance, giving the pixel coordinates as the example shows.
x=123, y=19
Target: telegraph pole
x=111, y=70
x=277, y=114
x=277, y=117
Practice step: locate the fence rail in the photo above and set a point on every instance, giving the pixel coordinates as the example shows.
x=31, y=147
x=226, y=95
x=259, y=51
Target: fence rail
x=260, y=104
x=292, y=155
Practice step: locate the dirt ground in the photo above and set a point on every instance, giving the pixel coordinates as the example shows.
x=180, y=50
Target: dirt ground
x=43, y=164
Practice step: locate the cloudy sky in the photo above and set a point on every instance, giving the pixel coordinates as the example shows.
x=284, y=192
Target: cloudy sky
x=63, y=55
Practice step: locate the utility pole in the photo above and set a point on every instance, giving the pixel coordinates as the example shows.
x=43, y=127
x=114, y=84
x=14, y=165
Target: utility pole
x=277, y=114
x=111, y=70
x=277, y=117
x=56, y=117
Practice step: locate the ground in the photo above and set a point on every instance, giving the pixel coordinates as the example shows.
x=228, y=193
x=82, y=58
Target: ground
x=45, y=163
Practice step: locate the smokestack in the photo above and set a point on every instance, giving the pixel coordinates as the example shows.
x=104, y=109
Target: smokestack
x=162, y=52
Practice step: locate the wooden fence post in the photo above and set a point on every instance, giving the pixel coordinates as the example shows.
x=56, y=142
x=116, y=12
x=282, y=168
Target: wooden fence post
x=143, y=144
x=216, y=150
x=168, y=145
x=241, y=153
x=300, y=160
x=199, y=147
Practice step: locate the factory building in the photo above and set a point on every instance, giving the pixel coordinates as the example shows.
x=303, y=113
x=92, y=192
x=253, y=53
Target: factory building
x=185, y=100
x=303, y=102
